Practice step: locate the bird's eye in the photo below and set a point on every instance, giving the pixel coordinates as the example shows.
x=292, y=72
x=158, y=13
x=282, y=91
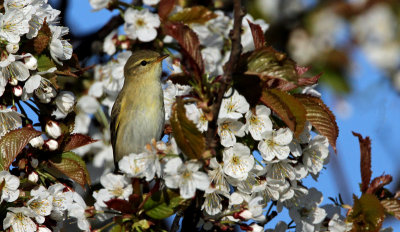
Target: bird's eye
x=143, y=63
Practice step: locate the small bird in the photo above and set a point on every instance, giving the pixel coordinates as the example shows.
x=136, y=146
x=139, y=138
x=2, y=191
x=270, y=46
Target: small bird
x=137, y=116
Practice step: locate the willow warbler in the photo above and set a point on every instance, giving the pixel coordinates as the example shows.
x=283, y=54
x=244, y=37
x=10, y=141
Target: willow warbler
x=137, y=116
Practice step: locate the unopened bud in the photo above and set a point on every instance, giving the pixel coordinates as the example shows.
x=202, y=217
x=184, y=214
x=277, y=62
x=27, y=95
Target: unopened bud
x=37, y=142
x=43, y=229
x=13, y=81
x=53, y=130
x=245, y=215
x=14, y=108
x=33, y=177
x=30, y=62
x=12, y=48
x=17, y=91
x=51, y=144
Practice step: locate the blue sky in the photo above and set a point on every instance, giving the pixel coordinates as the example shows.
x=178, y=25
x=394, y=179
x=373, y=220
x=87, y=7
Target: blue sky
x=375, y=111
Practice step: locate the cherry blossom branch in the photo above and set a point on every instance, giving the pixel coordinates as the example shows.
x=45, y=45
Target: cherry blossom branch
x=226, y=79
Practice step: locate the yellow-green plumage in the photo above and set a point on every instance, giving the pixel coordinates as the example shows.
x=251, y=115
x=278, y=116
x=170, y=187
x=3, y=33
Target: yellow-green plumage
x=137, y=116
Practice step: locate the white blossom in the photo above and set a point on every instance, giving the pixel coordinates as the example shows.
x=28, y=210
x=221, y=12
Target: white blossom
x=13, y=24
x=109, y=43
x=197, y=116
x=308, y=214
x=115, y=186
x=238, y=161
x=60, y=49
x=77, y=210
x=315, y=154
x=228, y=129
x=30, y=62
x=258, y=123
x=65, y=102
x=33, y=177
x=10, y=120
x=234, y=106
x=217, y=176
x=171, y=91
x=12, y=70
x=212, y=202
x=275, y=144
x=186, y=177
x=19, y=219
x=141, y=24
x=41, y=203
x=141, y=165
x=10, y=191
x=62, y=200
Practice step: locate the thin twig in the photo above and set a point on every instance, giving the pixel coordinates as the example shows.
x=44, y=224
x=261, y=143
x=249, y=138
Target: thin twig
x=226, y=79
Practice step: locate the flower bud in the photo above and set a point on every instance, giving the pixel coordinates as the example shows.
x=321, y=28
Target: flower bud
x=33, y=177
x=51, y=144
x=65, y=101
x=245, y=215
x=256, y=228
x=43, y=229
x=37, y=142
x=17, y=91
x=34, y=162
x=12, y=48
x=13, y=81
x=30, y=62
x=53, y=130
x=14, y=108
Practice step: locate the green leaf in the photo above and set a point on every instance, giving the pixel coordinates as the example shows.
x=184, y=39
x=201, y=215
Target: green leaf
x=70, y=165
x=13, y=142
x=287, y=107
x=320, y=117
x=187, y=136
x=392, y=206
x=156, y=206
x=117, y=228
x=367, y=214
x=44, y=63
x=196, y=14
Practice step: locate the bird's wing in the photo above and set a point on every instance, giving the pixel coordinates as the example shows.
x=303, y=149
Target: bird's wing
x=114, y=124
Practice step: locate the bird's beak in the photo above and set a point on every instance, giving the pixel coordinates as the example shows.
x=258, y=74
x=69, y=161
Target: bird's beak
x=160, y=58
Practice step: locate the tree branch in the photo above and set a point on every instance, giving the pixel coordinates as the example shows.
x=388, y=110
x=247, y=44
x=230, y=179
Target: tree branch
x=230, y=68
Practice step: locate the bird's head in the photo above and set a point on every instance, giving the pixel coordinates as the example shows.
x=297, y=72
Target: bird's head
x=143, y=64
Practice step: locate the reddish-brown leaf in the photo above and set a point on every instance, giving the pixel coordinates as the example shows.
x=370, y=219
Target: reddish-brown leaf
x=196, y=14
x=378, y=183
x=320, y=117
x=77, y=140
x=165, y=7
x=392, y=206
x=120, y=205
x=187, y=136
x=365, y=163
x=70, y=165
x=12, y=143
x=258, y=35
x=287, y=107
x=189, y=43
